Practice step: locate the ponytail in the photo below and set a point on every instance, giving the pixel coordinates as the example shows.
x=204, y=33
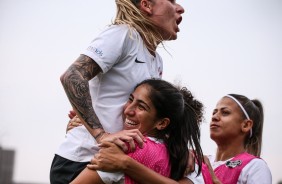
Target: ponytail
x=254, y=143
x=254, y=108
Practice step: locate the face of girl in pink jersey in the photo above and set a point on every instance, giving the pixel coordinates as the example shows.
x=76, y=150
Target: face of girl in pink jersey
x=227, y=121
x=140, y=113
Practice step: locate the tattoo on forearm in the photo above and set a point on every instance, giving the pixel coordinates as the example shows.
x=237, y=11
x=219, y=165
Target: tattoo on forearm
x=75, y=82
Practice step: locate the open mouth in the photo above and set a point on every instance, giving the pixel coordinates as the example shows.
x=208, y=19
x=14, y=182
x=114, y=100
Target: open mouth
x=130, y=123
x=179, y=20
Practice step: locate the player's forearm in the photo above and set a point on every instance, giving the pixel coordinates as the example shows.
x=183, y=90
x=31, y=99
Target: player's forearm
x=75, y=82
x=142, y=174
x=88, y=176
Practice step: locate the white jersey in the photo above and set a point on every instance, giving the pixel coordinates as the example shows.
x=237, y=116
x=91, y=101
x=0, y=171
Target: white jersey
x=256, y=171
x=125, y=61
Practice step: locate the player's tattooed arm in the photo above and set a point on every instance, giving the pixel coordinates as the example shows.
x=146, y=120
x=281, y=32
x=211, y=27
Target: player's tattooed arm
x=75, y=82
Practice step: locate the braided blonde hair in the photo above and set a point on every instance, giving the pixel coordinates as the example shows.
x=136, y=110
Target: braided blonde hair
x=128, y=13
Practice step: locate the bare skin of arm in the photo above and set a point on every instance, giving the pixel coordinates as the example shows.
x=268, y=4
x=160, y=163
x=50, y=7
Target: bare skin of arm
x=111, y=159
x=88, y=176
x=75, y=82
x=142, y=174
x=118, y=138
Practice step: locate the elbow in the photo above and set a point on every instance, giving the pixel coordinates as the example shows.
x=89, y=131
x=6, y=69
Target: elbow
x=64, y=78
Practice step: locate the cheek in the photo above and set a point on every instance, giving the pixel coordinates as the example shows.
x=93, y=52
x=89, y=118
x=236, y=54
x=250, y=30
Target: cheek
x=169, y=11
x=232, y=129
x=145, y=122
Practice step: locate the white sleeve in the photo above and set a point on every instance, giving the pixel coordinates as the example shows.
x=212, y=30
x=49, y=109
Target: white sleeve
x=108, y=47
x=110, y=178
x=194, y=178
x=255, y=172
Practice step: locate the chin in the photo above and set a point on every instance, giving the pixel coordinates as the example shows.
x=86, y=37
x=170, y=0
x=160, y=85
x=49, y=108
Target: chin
x=169, y=35
x=212, y=136
x=172, y=36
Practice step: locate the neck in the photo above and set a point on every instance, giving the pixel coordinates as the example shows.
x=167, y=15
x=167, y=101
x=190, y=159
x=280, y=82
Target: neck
x=155, y=133
x=151, y=48
x=225, y=152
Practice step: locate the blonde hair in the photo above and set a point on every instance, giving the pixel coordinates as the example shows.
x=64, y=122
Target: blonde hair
x=129, y=13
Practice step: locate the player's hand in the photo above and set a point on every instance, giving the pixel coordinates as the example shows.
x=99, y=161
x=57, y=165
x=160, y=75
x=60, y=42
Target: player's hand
x=74, y=122
x=110, y=158
x=125, y=139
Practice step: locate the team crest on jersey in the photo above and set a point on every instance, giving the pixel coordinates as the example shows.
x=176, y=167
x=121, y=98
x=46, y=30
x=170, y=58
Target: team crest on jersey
x=233, y=163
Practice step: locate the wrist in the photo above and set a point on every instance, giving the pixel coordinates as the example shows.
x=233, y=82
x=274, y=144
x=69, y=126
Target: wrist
x=128, y=162
x=98, y=133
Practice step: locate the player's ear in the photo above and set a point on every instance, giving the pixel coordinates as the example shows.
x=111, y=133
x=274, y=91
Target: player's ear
x=146, y=7
x=246, y=125
x=163, y=123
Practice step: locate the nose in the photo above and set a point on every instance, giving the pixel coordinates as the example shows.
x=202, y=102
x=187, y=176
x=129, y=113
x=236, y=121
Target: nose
x=129, y=110
x=179, y=9
x=215, y=117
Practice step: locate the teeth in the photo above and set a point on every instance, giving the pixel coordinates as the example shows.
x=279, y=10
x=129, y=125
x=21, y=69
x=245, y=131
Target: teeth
x=130, y=123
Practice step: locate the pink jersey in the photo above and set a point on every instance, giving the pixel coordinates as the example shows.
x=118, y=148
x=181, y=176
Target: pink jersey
x=153, y=155
x=229, y=172
x=206, y=174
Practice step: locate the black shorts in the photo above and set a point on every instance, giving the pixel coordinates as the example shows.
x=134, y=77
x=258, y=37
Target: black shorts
x=63, y=171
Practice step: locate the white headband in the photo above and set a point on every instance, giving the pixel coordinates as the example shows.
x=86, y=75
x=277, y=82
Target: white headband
x=243, y=109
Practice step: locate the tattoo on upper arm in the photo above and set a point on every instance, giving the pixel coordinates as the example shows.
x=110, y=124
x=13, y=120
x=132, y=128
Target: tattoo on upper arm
x=87, y=67
x=75, y=82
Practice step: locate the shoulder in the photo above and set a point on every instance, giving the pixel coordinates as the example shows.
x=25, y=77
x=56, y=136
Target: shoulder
x=256, y=170
x=153, y=143
x=153, y=153
x=121, y=30
x=151, y=147
x=257, y=163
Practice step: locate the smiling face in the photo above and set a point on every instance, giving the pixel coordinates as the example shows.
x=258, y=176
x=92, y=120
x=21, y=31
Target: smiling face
x=227, y=121
x=139, y=112
x=165, y=14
